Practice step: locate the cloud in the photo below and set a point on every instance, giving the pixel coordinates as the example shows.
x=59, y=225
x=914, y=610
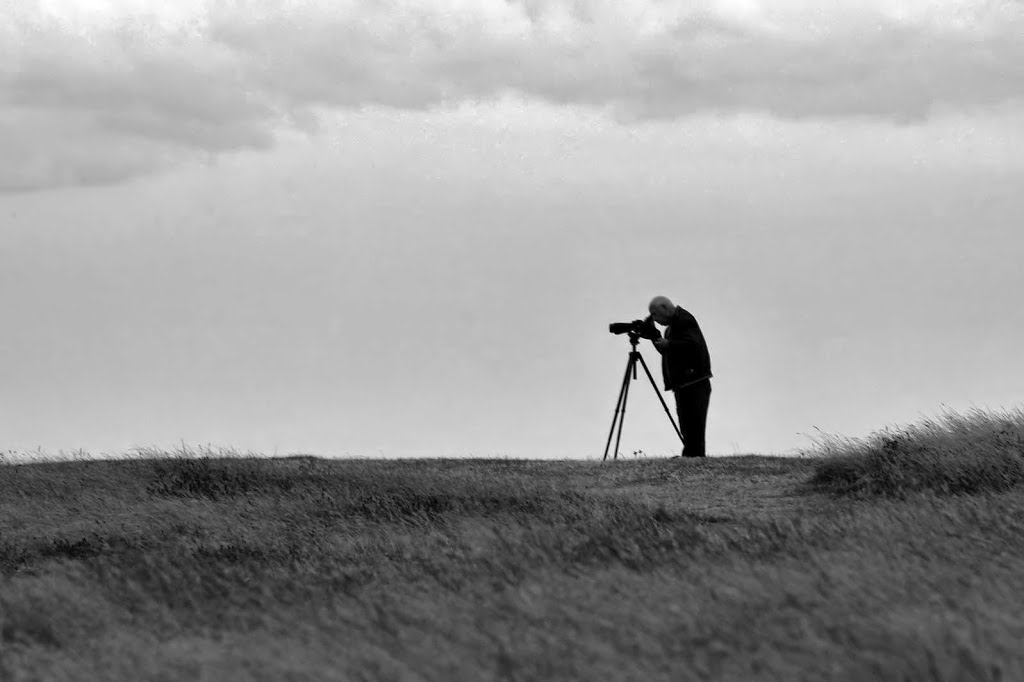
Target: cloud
x=101, y=90
x=641, y=58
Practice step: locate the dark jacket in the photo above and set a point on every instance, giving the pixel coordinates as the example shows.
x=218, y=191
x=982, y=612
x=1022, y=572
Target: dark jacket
x=686, y=359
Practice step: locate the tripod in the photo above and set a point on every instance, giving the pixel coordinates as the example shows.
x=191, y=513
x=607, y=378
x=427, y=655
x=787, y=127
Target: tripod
x=620, y=405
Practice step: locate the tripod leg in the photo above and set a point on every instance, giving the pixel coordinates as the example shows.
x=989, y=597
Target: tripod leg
x=630, y=371
x=662, y=399
x=620, y=404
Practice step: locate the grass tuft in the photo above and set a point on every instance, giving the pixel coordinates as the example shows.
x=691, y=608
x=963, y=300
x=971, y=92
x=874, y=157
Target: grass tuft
x=188, y=474
x=955, y=454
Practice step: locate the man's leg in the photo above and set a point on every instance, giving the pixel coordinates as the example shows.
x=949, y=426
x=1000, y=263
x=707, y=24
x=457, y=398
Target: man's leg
x=692, y=408
x=681, y=411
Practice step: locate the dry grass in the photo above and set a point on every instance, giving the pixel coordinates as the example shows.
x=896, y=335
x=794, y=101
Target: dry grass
x=954, y=454
x=306, y=569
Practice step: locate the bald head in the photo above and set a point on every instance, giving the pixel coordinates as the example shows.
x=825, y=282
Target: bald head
x=661, y=309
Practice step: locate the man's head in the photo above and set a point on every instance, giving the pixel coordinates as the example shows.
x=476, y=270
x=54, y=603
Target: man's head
x=661, y=309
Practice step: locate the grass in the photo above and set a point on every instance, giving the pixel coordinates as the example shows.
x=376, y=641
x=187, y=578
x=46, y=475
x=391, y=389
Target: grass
x=954, y=454
x=894, y=558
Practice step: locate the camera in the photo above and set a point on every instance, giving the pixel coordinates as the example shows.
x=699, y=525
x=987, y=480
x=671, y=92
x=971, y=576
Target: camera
x=643, y=329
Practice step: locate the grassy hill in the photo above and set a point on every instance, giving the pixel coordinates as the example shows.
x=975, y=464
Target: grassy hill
x=896, y=558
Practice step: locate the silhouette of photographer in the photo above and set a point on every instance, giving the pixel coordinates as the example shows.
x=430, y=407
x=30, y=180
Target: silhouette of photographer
x=686, y=370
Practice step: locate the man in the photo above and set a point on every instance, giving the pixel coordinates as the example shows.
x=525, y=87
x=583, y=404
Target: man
x=686, y=369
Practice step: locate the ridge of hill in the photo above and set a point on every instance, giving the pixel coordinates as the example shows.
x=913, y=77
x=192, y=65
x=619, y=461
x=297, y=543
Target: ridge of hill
x=899, y=557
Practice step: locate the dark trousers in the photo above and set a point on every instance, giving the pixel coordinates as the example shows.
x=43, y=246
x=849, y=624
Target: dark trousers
x=692, y=410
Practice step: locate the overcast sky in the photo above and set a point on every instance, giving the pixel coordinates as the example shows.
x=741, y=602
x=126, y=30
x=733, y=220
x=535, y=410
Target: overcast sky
x=402, y=228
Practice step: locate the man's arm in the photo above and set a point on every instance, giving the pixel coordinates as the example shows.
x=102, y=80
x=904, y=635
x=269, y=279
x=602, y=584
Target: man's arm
x=681, y=341
x=684, y=336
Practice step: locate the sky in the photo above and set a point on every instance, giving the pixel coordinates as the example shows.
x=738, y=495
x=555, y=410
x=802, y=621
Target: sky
x=395, y=228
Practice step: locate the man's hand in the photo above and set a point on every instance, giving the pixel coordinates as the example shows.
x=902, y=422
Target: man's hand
x=660, y=344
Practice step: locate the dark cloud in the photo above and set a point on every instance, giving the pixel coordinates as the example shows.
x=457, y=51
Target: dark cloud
x=123, y=99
